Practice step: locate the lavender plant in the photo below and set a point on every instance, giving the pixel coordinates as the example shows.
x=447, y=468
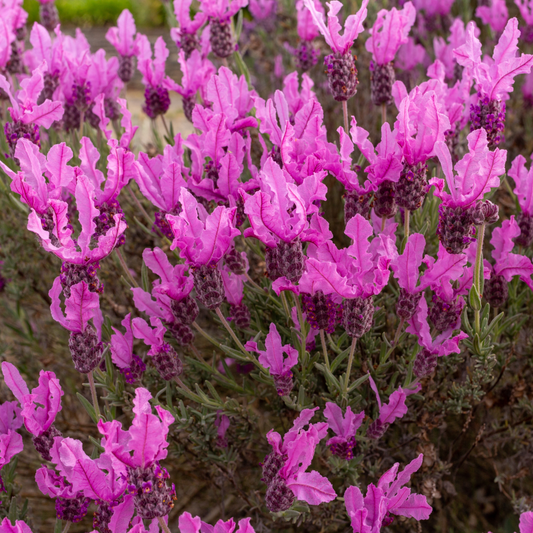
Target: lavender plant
x=203, y=339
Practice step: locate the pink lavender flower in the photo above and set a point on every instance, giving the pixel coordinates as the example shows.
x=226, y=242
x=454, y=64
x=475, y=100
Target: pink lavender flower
x=197, y=71
x=278, y=217
x=389, y=32
x=495, y=15
x=222, y=423
x=10, y=441
x=494, y=78
x=263, y=9
x=203, y=240
x=526, y=10
x=220, y=13
x=160, y=180
x=434, y=7
x=477, y=173
x=273, y=359
x=306, y=54
x=390, y=497
x=385, y=166
x=50, y=52
x=82, y=306
x=48, y=14
x=26, y=114
x=20, y=527
x=123, y=38
x=136, y=456
x=185, y=34
x=284, y=469
x=104, y=89
x=444, y=51
x=444, y=344
x=164, y=357
x=524, y=193
x=410, y=55
x=56, y=235
x=121, y=346
x=340, y=65
x=422, y=122
x=406, y=270
x=344, y=426
x=300, y=139
x=389, y=412
x=39, y=408
x=220, y=527
x=157, y=99
x=234, y=291
x=507, y=265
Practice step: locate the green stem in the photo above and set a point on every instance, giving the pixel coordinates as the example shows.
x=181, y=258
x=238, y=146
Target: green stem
x=324, y=348
x=196, y=353
x=166, y=127
x=478, y=272
x=94, y=396
x=67, y=527
x=285, y=304
x=253, y=283
x=345, y=114
x=139, y=205
x=349, y=369
x=383, y=114
x=164, y=527
x=406, y=217
x=206, y=335
x=125, y=268
x=231, y=332
x=383, y=222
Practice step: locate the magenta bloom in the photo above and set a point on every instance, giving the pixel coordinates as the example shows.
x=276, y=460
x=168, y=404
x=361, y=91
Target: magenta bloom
x=220, y=527
x=507, y=265
x=340, y=64
x=389, y=32
x=273, y=359
x=331, y=33
x=40, y=407
x=444, y=344
x=495, y=15
x=389, y=412
x=157, y=99
x=344, y=427
x=122, y=354
x=185, y=34
x=48, y=56
x=371, y=513
x=136, y=454
x=524, y=193
x=477, y=173
x=19, y=527
x=26, y=114
x=434, y=7
x=201, y=238
x=494, y=78
x=10, y=441
x=82, y=307
x=123, y=37
x=197, y=71
x=284, y=469
x=58, y=240
x=410, y=55
x=222, y=9
x=444, y=52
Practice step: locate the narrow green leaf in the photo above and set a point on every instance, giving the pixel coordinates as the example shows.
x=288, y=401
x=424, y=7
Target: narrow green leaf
x=88, y=407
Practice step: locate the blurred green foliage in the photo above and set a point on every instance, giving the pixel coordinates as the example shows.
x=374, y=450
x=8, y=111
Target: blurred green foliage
x=101, y=12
